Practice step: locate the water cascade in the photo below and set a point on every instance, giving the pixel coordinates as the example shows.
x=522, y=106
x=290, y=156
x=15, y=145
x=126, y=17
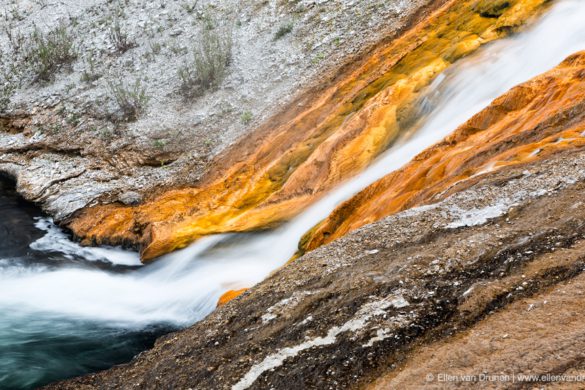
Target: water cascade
x=63, y=303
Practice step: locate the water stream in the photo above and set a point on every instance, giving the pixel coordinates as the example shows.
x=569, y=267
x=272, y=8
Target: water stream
x=67, y=310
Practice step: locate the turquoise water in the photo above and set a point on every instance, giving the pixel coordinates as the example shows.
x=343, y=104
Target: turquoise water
x=38, y=348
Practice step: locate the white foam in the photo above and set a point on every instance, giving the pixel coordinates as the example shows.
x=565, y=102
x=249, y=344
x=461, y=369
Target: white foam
x=55, y=240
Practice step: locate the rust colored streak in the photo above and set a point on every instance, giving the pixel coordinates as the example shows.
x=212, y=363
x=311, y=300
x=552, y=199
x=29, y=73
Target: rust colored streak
x=296, y=158
x=229, y=296
x=530, y=122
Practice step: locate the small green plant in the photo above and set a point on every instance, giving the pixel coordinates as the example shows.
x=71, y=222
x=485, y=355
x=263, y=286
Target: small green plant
x=131, y=99
x=208, y=21
x=283, y=30
x=73, y=119
x=103, y=133
x=55, y=128
x=89, y=74
x=69, y=87
x=318, y=58
x=7, y=87
x=15, y=14
x=159, y=143
x=6, y=92
x=47, y=53
x=155, y=48
x=16, y=40
x=119, y=37
x=73, y=20
x=176, y=49
x=246, y=117
x=189, y=6
x=211, y=58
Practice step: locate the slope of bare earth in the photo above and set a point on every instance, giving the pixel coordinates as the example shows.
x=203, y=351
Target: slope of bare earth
x=61, y=130
x=490, y=279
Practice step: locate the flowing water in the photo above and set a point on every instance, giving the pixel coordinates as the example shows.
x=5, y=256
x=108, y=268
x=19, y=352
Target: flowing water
x=67, y=310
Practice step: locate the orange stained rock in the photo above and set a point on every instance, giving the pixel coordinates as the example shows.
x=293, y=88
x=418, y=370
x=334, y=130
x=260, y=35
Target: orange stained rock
x=327, y=135
x=230, y=295
x=531, y=121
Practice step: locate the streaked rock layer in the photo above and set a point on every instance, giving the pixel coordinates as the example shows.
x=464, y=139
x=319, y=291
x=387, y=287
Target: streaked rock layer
x=530, y=122
x=332, y=135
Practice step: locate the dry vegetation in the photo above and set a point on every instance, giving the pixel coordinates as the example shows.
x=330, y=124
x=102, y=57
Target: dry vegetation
x=211, y=58
x=47, y=53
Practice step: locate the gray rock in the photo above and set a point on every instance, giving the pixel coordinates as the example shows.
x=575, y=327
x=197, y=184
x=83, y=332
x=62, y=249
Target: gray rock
x=131, y=198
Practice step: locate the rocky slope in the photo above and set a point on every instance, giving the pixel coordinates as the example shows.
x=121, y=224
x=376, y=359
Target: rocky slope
x=63, y=129
x=488, y=280
x=462, y=269
x=296, y=157
x=484, y=281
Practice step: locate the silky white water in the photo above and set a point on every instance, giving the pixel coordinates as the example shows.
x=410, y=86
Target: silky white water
x=183, y=287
